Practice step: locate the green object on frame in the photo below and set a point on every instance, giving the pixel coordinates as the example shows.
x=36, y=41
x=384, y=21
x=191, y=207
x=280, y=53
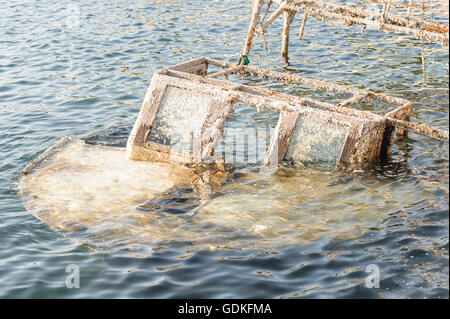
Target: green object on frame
x=243, y=60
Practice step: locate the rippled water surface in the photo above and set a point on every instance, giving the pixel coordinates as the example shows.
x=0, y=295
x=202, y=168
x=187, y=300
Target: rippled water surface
x=306, y=233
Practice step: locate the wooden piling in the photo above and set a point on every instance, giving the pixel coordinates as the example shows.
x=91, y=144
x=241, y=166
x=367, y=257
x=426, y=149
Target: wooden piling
x=251, y=30
x=302, y=27
x=347, y=16
x=288, y=17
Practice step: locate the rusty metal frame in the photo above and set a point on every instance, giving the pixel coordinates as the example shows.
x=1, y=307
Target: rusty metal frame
x=369, y=134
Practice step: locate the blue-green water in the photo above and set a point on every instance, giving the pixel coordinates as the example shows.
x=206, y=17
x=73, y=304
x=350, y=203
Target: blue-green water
x=59, y=78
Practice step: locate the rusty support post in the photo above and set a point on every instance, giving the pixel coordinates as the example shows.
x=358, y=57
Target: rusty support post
x=288, y=18
x=302, y=28
x=272, y=18
x=251, y=30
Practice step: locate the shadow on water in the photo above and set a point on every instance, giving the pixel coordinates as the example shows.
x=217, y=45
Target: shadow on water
x=178, y=201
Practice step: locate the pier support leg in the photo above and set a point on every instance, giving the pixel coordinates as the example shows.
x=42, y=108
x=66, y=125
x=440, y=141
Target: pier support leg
x=288, y=18
x=302, y=28
x=251, y=30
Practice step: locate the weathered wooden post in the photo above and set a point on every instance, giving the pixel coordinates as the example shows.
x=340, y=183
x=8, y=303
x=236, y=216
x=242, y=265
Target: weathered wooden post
x=347, y=16
x=302, y=27
x=251, y=30
x=288, y=17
